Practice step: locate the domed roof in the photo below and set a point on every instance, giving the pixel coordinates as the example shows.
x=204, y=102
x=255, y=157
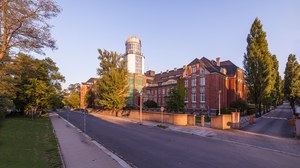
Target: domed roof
x=133, y=39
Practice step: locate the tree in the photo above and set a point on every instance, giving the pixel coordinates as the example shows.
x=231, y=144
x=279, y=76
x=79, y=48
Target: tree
x=72, y=99
x=90, y=98
x=24, y=27
x=150, y=104
x=176, y=97
x=36, y=82
x=258, y=66
x=112, y=86
x=292, y=80
x=72, y=96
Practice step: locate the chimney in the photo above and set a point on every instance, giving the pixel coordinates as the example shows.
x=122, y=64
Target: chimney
x=218, y=61
x=167, y=71
x=160, y=72
x=175, y=69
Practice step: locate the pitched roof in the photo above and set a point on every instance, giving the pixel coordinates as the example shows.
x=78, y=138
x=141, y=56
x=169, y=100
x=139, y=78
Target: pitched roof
x=90, y=81
x=165, y=76
x=230, y=67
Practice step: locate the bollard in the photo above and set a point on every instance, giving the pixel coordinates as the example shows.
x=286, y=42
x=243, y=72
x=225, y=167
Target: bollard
x=251, y=119
x=202, y=121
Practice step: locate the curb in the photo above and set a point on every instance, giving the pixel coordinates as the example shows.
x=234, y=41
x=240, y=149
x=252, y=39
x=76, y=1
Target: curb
x=120, y=161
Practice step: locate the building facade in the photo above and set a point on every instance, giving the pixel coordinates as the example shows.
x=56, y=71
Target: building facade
x=208, y=83
x=135, y=66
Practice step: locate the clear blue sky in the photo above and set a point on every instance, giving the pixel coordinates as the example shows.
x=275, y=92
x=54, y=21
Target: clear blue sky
x=173, y=32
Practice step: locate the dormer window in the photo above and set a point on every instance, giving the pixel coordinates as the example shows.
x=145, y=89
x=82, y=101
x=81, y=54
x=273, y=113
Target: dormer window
x=194, y=69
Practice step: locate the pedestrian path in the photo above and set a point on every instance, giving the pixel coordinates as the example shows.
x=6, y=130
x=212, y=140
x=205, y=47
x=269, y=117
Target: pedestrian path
x=79, y=151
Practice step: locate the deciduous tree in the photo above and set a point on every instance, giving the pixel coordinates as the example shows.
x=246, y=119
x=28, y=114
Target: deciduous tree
x=24, y=26
x=292, y=80
x=258, y=66
x=112, y=86
x=176, y=97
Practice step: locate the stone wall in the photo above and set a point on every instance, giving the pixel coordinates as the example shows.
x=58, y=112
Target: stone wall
x=169, y=118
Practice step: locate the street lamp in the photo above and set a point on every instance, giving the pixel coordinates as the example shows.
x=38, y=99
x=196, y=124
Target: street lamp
x=141, y=106
x=219, y=102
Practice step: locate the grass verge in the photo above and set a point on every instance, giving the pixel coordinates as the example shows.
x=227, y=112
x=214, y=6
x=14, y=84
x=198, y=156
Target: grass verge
x=28, y=143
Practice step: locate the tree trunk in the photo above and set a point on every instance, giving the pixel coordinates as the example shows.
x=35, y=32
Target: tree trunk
x=259, y=109
x=4, y=47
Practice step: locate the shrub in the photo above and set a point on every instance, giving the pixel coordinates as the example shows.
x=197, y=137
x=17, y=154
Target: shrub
x=150, y=104
x=239, y=104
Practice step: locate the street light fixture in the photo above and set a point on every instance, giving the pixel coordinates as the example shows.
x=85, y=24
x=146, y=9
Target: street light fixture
x=141, y=106
x=220, y=102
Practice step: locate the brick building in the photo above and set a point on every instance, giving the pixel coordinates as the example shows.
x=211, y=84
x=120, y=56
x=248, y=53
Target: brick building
x=205, y=81
x=84, y=88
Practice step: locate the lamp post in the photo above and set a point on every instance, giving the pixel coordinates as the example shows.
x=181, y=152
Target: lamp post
x=141, y=106
x=219, y=102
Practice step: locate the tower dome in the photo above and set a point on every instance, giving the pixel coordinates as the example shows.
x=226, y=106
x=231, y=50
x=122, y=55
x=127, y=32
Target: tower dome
x=133, y=39
x=133, y=45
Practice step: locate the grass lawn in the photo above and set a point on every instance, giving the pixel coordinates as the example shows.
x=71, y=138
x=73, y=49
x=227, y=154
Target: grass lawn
x=28, y=143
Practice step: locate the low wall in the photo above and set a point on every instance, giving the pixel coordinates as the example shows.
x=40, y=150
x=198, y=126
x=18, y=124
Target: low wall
x=170, y=118
x=226, y=121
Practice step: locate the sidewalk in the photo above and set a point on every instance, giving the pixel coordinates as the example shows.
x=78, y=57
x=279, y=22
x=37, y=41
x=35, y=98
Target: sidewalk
x=78, y=150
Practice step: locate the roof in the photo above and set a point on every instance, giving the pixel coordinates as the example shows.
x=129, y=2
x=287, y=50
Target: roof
x=90, y=81
x=133, y=39
x=159, y=78
x=230, y=67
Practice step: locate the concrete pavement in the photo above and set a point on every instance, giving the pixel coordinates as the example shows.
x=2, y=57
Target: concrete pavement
x=79, y=151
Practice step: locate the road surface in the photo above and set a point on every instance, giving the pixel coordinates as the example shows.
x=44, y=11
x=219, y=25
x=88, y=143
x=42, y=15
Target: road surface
x=275, y=123
x=144, y=146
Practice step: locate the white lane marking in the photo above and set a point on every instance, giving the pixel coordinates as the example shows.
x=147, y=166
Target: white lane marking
x=277, y=118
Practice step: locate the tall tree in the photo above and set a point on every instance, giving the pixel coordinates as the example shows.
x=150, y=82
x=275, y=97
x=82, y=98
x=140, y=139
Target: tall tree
x=72, y=96
x=258, y=66
x=24, y=27
x=292, y=80
x=176, y=97
x=112, y=86
x=36, y=82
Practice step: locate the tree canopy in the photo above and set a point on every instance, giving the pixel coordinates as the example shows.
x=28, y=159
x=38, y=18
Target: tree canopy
x=24, y=27
x=35, y=84
x=176, y=97
x=260, y=73
x=72, y=96
x=112, y=86
x=292, y=80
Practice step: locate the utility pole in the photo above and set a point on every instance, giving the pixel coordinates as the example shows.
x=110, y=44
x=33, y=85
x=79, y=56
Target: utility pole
x=219, y=102
x=141, y=106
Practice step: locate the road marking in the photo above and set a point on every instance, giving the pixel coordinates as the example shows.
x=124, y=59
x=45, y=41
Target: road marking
x=121, y=162
x=277, y=118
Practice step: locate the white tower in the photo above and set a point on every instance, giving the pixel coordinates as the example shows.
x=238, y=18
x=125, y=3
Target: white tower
x=134, y=56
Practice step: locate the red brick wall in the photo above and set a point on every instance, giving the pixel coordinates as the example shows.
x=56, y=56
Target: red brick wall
x=213, y=83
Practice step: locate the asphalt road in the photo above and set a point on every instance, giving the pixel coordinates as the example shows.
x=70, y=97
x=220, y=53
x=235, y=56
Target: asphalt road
x=275, y=123
x=151, y=147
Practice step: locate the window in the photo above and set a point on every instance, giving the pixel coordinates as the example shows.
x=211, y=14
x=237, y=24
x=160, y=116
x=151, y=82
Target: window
x=194, y=82
x=202, y=97
x=194, y=105
x=186, y=83
x=193, y=90
x=201, y=70
x=202, y=81
x=186, y=72
x=194, y=69
x=193, y=97
x=186, y=98
x=202, y=94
